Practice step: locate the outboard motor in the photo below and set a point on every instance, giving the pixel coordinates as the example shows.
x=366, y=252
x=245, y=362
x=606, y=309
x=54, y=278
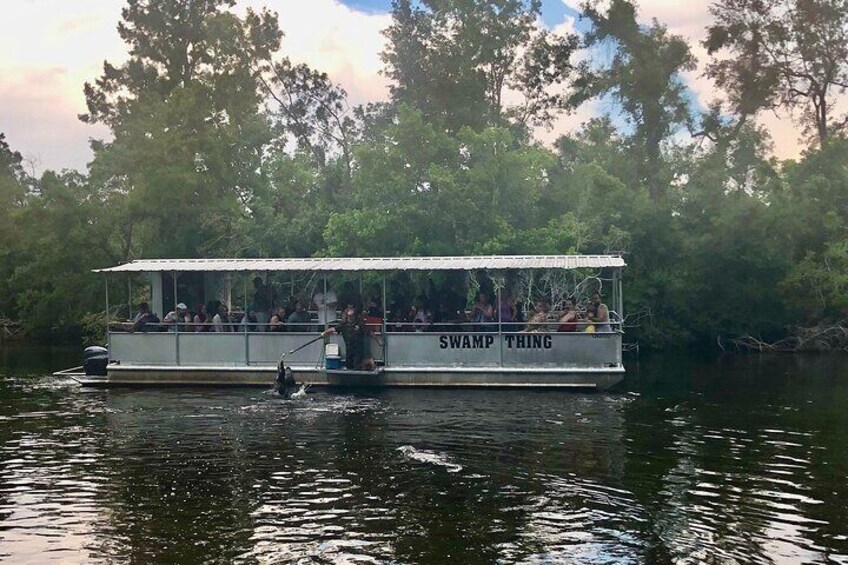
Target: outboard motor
x=95, y=359
x=284, y=385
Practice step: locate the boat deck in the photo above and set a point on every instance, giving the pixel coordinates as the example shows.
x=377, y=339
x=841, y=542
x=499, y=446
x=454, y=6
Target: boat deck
x=264, y=376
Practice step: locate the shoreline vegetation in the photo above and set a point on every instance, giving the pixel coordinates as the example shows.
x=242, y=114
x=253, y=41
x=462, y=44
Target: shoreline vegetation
x=818, y=339
x=221, y=146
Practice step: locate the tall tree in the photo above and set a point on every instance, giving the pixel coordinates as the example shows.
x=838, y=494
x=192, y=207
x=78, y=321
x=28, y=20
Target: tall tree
x=420, y=190
x=13, y=179
x=456, y=60
x=184, y=111
x=790, y=54
x=313, y=109
x=68, y=230
x=642, y=75
x=13, y=191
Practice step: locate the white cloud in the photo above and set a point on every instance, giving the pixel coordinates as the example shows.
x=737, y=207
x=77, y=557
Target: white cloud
x=49, y=49
x=329, y=36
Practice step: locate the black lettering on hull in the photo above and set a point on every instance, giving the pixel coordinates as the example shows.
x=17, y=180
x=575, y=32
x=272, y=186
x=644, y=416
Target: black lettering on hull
x=487, y=341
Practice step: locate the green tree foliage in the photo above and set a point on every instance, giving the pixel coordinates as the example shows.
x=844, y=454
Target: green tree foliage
x=184, y=113
x=68, y=232
x=815, y=205
x=314, y=110
x=13, y=192
x=791, y=54
x=642, y=75
x=222, y=146
x=455, y=60
x=422, y=190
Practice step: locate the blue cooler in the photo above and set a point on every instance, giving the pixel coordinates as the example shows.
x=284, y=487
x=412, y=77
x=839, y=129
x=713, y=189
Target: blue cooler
x=332, y=358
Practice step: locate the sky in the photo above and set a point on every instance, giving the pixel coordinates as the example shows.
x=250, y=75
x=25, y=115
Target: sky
x=50, y=48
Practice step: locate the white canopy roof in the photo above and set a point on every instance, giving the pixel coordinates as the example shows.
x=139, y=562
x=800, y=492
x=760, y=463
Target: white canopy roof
x=330, y=264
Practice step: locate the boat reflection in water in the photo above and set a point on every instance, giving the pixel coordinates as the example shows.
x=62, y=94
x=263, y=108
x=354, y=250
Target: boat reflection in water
x=409, y=476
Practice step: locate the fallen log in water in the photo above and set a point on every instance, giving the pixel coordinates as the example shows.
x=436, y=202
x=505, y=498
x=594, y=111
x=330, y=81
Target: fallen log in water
x=816, y=338
x=10, y=330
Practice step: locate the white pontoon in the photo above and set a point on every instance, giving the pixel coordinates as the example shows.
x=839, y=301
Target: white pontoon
x=503, y=354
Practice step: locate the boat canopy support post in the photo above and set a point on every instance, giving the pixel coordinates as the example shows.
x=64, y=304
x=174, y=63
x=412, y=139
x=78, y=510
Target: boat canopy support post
x=500, y=328
x=246, y=321
x=129, y=296
x=108, y=349
x=324, y=305
x=228, y=280
x=176, y=322
x=620, y=286
x=385, y=334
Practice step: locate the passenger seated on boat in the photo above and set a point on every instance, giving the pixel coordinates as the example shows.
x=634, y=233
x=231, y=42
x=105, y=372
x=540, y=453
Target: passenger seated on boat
x=177, y=317
x=507, y=312
x=248, y=321
x=299, y=319
x=401, y=319
x=423, y=320
x=221, y=320
x=598, y=313
x=374, y=309
x=399, y=313
x=538, y=321
x=211, y=309
x=479, y=308
x=199, y=319
x=570, y=316
x=277, y=323
x=145, y=320
x=484, y=319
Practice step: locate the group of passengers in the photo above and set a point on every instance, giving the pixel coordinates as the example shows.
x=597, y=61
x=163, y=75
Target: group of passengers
x=431, y=311
x=595, y=318
x=449, y=314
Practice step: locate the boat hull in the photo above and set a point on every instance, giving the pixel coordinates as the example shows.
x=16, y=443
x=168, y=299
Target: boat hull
x=588, y=379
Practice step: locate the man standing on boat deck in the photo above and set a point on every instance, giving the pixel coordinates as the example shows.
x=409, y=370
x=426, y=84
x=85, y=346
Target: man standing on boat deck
x=261, y=303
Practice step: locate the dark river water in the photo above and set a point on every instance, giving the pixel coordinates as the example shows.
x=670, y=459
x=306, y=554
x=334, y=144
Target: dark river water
x=736, y=460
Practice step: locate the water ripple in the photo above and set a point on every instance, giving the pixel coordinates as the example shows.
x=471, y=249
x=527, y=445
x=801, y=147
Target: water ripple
x=422, y=476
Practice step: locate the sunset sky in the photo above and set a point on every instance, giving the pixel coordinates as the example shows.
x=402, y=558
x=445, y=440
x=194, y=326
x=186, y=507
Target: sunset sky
x=49, y=48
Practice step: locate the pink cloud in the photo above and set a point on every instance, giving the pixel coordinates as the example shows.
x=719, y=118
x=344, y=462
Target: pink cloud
x=42, y=125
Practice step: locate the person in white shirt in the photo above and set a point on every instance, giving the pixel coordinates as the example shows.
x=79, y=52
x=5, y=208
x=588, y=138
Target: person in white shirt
x=178, y=316
x=221, y=321
x=326, y=306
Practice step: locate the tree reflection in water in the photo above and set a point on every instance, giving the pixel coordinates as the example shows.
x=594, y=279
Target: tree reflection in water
x=692, y=460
